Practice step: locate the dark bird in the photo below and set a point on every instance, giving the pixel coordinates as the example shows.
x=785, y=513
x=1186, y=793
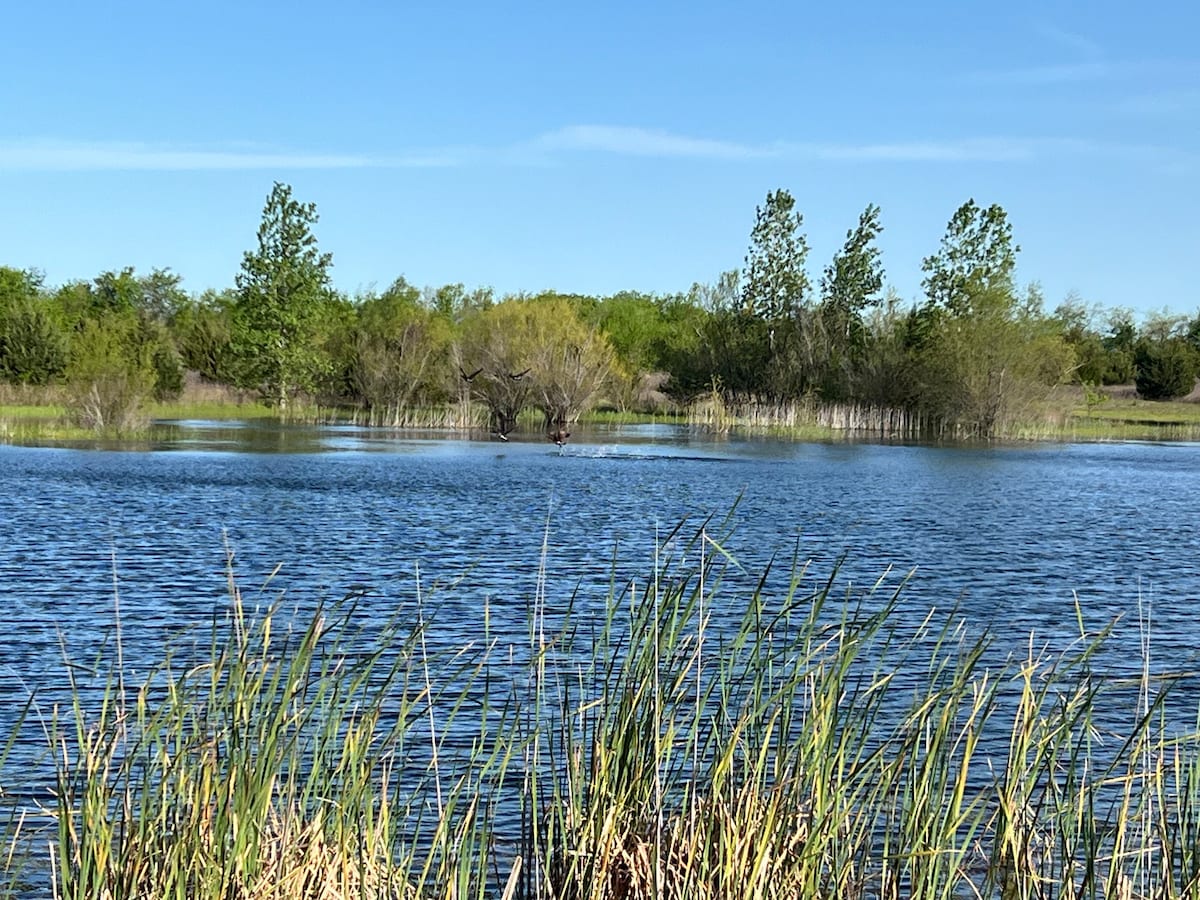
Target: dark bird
x=468, y=378
x=518, y=376
x=559, y=436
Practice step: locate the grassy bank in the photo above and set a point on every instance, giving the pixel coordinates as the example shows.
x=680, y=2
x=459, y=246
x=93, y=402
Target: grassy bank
x=40, y=416
x=34, y=415
x=803, y=747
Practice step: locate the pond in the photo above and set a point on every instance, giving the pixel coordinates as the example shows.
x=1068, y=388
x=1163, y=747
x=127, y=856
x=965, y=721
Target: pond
x=1011, y=537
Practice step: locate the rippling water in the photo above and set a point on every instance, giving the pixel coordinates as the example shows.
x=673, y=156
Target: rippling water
x=1009, y=535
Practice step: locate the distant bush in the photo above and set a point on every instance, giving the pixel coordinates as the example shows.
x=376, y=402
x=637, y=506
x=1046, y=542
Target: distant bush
x=33, y=348
x=1165, y=369
x=110, y=376
x=155, y=342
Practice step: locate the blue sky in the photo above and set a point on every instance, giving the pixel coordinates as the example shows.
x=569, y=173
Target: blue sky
x=602, y=146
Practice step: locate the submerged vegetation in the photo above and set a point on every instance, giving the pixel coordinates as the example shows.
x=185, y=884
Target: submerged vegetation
x=977, y=356
x=694, y=739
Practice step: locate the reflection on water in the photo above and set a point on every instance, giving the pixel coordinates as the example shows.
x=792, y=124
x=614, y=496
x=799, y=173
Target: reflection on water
x=1011, y=536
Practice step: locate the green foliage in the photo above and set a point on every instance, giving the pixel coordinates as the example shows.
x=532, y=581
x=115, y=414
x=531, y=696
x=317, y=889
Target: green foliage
x=635, y=327
x=1166, y=369
x=977, y=255
x=981, y=370
x=164, y=360
x=116, y=292
x=775, y=283
x=160, y=296
x=81, y=331
x=884, y=374
x=399, y=353
x=1192, y=333
x=1100, y=359
x=1122, y=333
x=19, y=284
x=111, y=374
x=525, y=352
x=735, y=355
x=1092, y=397
x=33, y=347
x=453, y=302
x=852, y=282
x=203, y=331
x=156, y=296
x=282, y=289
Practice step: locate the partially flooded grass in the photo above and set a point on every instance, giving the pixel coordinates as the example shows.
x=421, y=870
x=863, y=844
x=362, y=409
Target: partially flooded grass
x=695, y=740
x=27, y=429
x=38, y=415
x=214, y=410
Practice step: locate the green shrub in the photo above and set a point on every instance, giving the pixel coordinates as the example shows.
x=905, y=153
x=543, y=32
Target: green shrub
x=110, y=375
x=33, y=348
x=1165, y=369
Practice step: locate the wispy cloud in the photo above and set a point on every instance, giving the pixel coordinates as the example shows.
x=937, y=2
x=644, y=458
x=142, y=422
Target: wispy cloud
x=1070, y=41
x=560, y=145
x=1037, y=76
x=1168, y=71
x=629, y=141
x=1086, y=61
x=640, y=142
x=1162, y=103
x=49, y=155
x=967, y=150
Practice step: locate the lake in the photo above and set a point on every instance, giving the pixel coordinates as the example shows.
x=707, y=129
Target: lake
x=1009, y=536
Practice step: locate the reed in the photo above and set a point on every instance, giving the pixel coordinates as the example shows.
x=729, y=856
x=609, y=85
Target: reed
x=286, y=762
x=698, y=735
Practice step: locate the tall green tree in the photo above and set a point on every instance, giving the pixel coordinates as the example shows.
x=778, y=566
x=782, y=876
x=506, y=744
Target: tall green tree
x=977, y=256
x=282, y=289
x=775, y=283
x=851, y=283
x=983, y=356
x=775, y=306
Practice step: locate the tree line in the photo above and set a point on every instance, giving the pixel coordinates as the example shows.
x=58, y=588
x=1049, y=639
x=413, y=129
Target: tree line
x=975, y=353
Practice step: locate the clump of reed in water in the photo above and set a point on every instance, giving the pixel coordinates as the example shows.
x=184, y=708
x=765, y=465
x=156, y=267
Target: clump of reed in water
x=284, y=764
x=699, y=740
x=818, y=749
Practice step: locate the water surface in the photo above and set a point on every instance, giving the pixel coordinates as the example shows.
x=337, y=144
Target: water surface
x=1011, y=536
